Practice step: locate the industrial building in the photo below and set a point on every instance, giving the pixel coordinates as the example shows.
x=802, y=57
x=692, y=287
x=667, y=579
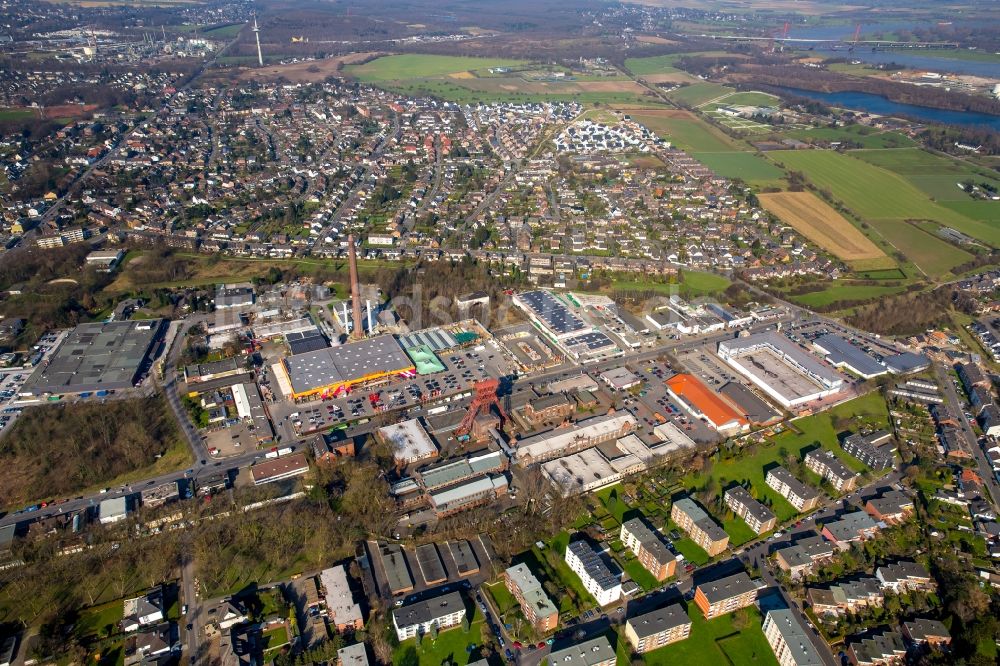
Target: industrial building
x=550, y=314
x=757, y=516
x=723, y=596
x=96, y=357
x=832, y=469
x=467, y=495
x=780, y=368
x=408, y=441
x=842, y=354
x=699, y=525
x=660, y=627
x=581, y=435
x=789, y=640
x=620, y=379
x=538, y=609
x=418, y=618
x=332, y=369
x=597, y=577
x=649, y=548
x=705, y=404
x=605, y=464
x=113, y=510
x=397, y=573
x=798, y=494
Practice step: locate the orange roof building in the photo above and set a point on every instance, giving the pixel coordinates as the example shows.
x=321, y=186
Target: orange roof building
x=705, y=404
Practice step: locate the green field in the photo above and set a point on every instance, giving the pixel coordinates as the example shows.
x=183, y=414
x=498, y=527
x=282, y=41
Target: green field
x=865, y=136
x=654, y=65
x=839, y=291
x=690, y=134
x=399, y=67
x=712, y=642
x=695, y=283
x=875, y=193
x=16, y=115
x=697, y=94
x=224, y=31
x=749, y=167
x=985, y=211
x=749, y=98
x=929, y=252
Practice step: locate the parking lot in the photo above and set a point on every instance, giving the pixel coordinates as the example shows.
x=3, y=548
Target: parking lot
x=653, y=405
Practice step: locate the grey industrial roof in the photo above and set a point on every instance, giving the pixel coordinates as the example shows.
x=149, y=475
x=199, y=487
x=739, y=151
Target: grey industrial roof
x=96, y=357
x=662, y=619
x=396, y=570
x=728, y=587
x=592, y=340
x=428, y=609
x=453, y=472
x=435, y=338
x=901, y=364
x=550, y=311
x=785, y=347
x=465, y=558
x=840, y=351
x=431, y=567
x=335, y=365
x=756, y=410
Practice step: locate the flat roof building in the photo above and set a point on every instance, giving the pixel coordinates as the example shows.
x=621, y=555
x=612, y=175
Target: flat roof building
x=550, y=314
x=800, y=558
x=842, y=354
x=620, y=379
x=699, y=525
x=660, y=627
x=113, y=510
x=332, y=369
x=408, y=441
x=725, y=595
x=757, y=516
x=581, y=435
x=96, y=357
x=341, y=608
x=397, y=572
x=780, y=368
x=353, y=655
x=705, y=404
x=789, y=640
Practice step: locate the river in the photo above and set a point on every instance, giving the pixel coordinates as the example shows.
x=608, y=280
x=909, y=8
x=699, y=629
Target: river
x=860, y=101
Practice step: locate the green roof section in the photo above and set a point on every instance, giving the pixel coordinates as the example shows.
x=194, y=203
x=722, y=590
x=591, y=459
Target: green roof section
x=424, y=360
x=464, y=337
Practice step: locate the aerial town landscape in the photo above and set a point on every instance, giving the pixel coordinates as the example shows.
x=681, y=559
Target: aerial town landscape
x=566, y=333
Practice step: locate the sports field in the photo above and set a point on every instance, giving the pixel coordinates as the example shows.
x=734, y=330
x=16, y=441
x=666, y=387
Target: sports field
x=824, y=226
x=697, y=94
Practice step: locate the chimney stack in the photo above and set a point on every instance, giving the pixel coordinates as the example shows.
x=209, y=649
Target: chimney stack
x=358, y=329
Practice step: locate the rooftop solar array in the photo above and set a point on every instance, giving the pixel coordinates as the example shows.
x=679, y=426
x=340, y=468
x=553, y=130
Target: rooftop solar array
x=303, y=342
x=94, y=357
x=594, y=565
x=552, y=313
x=589, y=343
x=349, y=362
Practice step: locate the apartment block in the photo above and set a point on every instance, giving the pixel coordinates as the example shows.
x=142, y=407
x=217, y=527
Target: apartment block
x=874, y=450
x=880, y=649
x=538, y=609
x=597, y=577
x=798, y=494
x=658, y=628
x=649, y=548
x=757, y=516
x=723, y=596
x=801, y=558
x=418, y=618
x=832, y=469
x=788, y=639
x=595, y=652
x=699, y=525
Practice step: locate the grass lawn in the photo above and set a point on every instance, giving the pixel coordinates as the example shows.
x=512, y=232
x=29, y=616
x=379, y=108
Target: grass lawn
x=984, y=211
x=13, y=115
x=845, y=292
x=929, y=252
x=860, y=134
x=638, y=573
x=713, y=643
x=275, y=637
x=691, y=551
x=224, y=31
x=693, y=283
x=415, y=66
x=451, y=645
x=739, y=532
x=502, y=598
x=749, y=167
x=653, y=65
x=94, y=621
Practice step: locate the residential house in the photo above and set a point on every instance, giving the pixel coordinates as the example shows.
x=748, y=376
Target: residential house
x=802, y=557
x=892, y=507
x=851, y=527
x=836, y=473
x=418, y=618
x=598, y=579
x=143, y=611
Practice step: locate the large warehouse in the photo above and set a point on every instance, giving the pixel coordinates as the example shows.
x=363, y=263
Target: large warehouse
x=334, y=368
x=705, y=404
x=550, y=314
x=780, y=368
x=97, y=357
